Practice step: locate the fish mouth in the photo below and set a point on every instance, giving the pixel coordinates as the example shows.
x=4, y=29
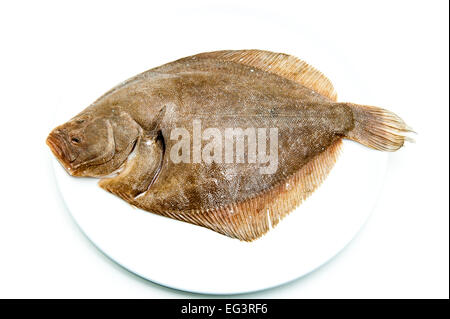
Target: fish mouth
x=61, y=150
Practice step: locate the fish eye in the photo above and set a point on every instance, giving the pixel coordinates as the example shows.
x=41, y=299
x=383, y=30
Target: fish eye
x=75, y=140
x=79, y=121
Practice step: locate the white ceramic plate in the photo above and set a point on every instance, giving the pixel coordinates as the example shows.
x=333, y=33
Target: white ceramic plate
x=191, y=258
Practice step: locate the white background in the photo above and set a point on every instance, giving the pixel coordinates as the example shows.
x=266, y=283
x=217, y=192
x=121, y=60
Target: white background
x=49, y=51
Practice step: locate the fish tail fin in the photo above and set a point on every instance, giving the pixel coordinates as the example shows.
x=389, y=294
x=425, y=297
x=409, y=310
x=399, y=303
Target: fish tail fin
x=378, y=128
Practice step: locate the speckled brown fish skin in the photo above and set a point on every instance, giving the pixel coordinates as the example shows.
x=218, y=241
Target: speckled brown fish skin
x=224, y=89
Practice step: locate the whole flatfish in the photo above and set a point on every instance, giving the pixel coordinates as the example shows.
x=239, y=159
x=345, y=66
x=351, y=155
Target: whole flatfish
x=228, y=140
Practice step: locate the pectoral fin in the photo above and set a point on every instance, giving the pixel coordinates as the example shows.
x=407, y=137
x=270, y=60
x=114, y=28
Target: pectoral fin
x=140, y=171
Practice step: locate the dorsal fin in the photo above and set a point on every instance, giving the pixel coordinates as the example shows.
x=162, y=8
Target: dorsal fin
x=281, y=64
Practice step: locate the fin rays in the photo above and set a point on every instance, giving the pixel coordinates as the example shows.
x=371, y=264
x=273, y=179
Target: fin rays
x=250, y=219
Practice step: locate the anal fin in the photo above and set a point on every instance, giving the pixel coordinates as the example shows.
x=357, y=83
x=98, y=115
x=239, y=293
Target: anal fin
x=250, y=219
